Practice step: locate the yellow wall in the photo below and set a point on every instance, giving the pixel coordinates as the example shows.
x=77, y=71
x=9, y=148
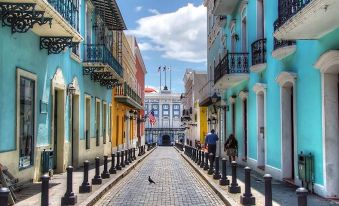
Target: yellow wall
x=203, y=124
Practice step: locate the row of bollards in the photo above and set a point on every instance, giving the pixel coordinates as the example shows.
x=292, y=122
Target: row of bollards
x=212, y=166
x=119, y=160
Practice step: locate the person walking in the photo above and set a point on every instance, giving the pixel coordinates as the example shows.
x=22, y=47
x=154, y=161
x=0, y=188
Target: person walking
x=211, y=141
x=231, y=148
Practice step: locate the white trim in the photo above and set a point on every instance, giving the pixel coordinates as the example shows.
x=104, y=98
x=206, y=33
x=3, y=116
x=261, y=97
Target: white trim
x=320, y=190
x=259, y=87
x=327, y=60
x=76, y=85
x=22, y=73
x=284, y=52
x=243, y=95
x=258, y=67
x=232, y=100
x=285, y=77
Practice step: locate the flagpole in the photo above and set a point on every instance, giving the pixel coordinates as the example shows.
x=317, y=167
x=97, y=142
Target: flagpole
x=170, y=69
x=165, y=76
x=159, y=70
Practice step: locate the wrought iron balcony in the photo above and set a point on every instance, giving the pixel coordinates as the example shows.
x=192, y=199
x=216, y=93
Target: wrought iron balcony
x=98, y=55
x=126, y=95
x=259, y=52
x=231, y=66
x=282, y=48
x=281, y=43
x=68, y=10
x=306, y=19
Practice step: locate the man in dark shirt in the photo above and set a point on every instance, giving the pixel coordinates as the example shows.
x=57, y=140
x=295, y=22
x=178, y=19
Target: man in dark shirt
x=211, y=141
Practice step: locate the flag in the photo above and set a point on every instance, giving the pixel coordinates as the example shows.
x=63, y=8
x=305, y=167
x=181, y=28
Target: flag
x=159, y=69
x=152, y=119
x=164, y=68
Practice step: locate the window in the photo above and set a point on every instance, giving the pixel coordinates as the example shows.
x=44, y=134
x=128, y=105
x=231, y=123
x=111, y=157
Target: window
x=176, y=113
x=88, y=121
x=26, y=87
x=155, y=106
x=260, y=19
x=165, y=106
x=165, y=113
x=176, y=106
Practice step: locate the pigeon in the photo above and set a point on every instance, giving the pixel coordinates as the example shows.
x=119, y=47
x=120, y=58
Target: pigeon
x=150, y=180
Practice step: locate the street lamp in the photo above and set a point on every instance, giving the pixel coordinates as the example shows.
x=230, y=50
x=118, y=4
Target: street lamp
x=214, y=98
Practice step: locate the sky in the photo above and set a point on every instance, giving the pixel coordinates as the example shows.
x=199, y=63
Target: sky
x=171, y=33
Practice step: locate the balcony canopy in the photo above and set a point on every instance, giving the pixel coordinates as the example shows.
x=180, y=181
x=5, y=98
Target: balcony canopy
x=110, y=13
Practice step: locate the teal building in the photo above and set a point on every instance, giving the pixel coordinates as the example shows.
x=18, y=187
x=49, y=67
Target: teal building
x=274, y=65
x=57, y=71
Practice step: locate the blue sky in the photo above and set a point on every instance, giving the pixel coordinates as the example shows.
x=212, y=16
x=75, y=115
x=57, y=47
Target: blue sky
x=169, y=32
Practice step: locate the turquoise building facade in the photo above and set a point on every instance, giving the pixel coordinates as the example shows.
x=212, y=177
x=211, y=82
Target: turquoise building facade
x=57, y=69
x=277, y=75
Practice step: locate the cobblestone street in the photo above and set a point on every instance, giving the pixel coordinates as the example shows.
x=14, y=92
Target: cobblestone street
x=176, y=183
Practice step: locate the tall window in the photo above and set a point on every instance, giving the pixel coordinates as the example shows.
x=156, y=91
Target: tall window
x=260, y=19
x=244, y=31
x=233, y=39
x=26, y=119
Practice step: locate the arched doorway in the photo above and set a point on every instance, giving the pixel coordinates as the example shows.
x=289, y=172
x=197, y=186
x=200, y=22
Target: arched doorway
x=260, y=90
x=166, y=140
x=329, y=68
x=286, y=81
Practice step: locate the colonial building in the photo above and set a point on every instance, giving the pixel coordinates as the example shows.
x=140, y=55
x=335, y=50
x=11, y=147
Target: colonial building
x=57, y=72
x=275, y=65
x=166, y=107
x=196, y=130
x=127, y=102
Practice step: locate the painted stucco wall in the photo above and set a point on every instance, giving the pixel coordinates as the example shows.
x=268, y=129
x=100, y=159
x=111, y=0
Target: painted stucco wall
x=308, y=91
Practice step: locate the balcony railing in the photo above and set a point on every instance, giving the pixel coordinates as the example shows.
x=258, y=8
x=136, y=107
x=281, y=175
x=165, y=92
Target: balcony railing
x=280, y=43
x=288, y=8
x=69, y=10
x=98, y=53
x=259, y=52
x=232, y=63
x=127, y=91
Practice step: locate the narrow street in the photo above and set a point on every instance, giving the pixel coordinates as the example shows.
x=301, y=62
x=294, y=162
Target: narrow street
x=176, y=183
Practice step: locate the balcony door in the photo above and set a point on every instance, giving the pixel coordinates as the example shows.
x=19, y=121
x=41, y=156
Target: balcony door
x=260, y=19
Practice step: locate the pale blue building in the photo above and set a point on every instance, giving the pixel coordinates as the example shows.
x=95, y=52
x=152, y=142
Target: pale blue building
x=275, y=64
x=57, y=69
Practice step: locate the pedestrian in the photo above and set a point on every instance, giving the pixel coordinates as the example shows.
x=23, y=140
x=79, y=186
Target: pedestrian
x=231, y=147
x=211, y=141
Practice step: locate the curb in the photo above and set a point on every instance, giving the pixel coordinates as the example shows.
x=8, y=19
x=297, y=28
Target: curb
x=93, y=198
x=222, y=194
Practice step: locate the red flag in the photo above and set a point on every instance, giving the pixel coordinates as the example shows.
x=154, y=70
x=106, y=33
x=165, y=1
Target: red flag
x=152, y=119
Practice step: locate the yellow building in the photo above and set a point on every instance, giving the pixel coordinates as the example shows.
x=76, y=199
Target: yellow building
x=126, y=101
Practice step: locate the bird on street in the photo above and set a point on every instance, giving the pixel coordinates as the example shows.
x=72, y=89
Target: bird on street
x=150, y=180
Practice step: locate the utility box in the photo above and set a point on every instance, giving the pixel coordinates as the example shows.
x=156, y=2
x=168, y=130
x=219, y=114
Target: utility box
x=47, y=157
x=306, y=169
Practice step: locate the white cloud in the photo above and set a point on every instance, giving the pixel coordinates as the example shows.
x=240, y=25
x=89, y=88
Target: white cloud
x=153, y=11
x=138, y=8
x=180, y=35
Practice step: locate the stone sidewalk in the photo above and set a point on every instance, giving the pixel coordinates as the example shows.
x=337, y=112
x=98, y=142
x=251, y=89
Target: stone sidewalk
x=31, y=195
x=176, y=183
x=282, y=193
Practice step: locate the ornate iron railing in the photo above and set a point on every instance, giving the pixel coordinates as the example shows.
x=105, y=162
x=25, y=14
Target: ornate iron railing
x=281, y=43
x=126, y=90
x=232, y=63
x=69, y=10
x=98, y=53
x=259, y=51
x=288, y=8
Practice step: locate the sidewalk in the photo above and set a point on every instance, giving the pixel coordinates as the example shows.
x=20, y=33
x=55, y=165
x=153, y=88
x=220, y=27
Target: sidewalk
x=31, y=195
x=283, y=194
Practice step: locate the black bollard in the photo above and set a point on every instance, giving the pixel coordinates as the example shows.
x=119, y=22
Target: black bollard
x=118, y=161
x=130, y=156
x=211, y=167
x=105, y=174
x=302, y=196
x=134, y=157
x=97, y=179
x=126, y=157
x=4, y=193
x=139, y=152
x=234, y=187
x=196, y=155
x=268, y=189
x=69, y=198
x=223, y=181
x=247, y=198
x=85, y=187
x=199, y=158
x=113, y=169
x=216, y=175
x=44, y=190
x=206, y=161
x=202, y=163
x=122, y=153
